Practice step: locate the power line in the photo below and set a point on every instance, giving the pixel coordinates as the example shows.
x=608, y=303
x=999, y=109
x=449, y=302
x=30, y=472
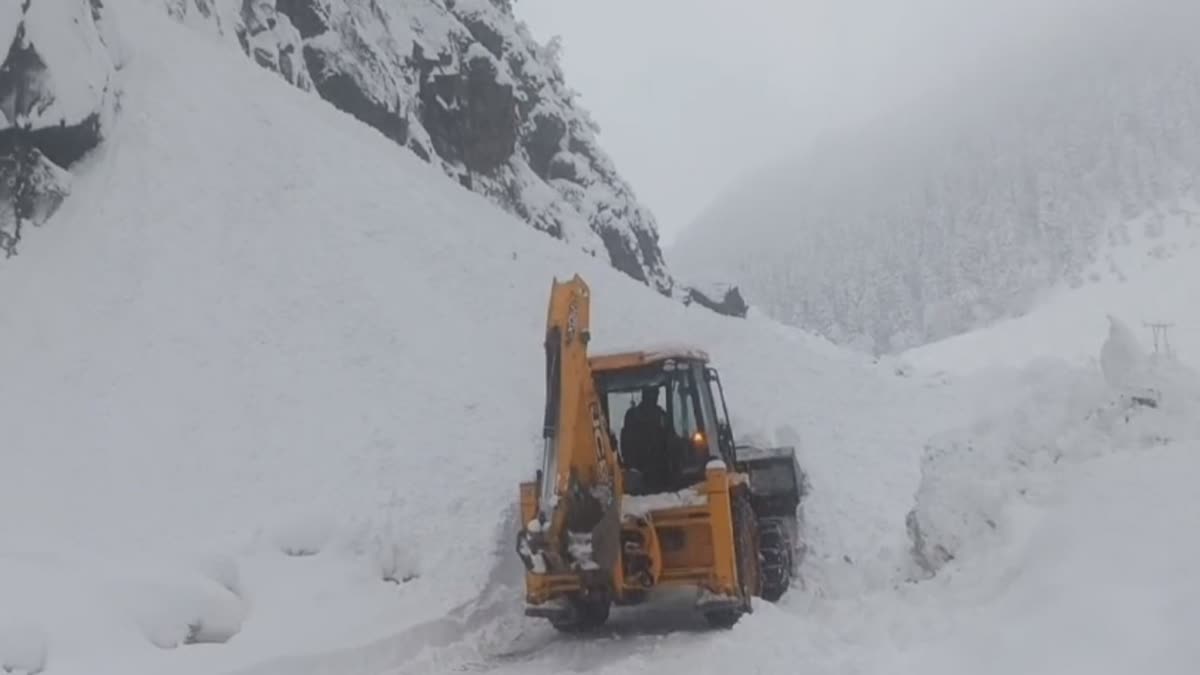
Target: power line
x=1162, y=340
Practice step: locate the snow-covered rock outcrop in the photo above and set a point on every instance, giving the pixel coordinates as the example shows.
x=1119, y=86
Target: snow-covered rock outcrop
x=464, y=85
x=55, y=86
x=966, y=207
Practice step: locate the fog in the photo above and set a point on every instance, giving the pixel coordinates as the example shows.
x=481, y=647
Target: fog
x=691, y=95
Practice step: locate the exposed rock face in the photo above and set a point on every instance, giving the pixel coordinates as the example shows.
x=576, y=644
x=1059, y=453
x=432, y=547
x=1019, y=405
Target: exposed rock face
x=310, y=17
x=460, y=83
x=463, y=85
x=31, y=189
x=52, y=101
x=727, y=301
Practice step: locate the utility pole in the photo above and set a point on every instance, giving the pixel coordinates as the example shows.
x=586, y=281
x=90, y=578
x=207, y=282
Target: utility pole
x=1162, y=342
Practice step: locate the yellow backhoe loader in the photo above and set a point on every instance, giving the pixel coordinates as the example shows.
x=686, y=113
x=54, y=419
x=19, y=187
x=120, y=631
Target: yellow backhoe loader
x=642, y=486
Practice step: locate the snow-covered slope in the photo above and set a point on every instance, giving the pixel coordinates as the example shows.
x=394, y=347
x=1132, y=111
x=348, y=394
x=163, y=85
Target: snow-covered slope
x=1152, y=281
x=270, y=384
x=464, y=85
x=968, y=206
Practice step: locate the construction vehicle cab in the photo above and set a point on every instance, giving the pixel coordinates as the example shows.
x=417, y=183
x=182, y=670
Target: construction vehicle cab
x=665, y=420
x=643, y=487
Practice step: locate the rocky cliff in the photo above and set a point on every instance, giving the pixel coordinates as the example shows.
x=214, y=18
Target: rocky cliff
x=460, y=83
x=55, y=89
x=463, y=85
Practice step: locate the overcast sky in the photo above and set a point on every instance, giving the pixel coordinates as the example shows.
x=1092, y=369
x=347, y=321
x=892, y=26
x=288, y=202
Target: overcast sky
x=690, y=94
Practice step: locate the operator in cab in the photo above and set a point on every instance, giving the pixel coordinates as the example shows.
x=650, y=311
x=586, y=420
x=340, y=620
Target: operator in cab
x=645, y=439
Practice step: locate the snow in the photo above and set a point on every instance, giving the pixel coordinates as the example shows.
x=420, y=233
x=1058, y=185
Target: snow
x=655, y=350
x=22, y=650
x=273, y=383
x=1155, y=281
x=373, y=44
x=78, y=64
x=1071, y=416
x=477, y=51
x=1102, y=584
x=639, y=506
x=10, y=15
x=310, y=355
x=969, y=205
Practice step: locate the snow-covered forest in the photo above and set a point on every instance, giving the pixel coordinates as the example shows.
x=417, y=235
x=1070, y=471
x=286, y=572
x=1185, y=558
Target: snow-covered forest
x=968, y=206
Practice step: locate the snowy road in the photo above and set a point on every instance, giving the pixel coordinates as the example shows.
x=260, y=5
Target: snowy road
x=1099, y=577
x=1104, y=581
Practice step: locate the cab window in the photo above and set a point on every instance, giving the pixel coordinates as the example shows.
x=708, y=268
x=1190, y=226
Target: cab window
x=684, y=408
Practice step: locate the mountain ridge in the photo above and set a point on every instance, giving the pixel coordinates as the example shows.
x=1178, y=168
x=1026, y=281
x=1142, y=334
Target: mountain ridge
x=969, y=207
x=462, y=84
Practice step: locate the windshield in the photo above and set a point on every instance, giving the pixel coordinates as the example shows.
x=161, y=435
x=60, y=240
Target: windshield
x=684, y=407
x=656, y=417
x=673, y=394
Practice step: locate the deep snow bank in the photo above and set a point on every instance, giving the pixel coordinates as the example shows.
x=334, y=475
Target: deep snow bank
x=258, y=335
x=1102, y=580
x=1050, y=418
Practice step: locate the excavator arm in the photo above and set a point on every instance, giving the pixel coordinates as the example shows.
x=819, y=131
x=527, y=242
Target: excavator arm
x=571, y=513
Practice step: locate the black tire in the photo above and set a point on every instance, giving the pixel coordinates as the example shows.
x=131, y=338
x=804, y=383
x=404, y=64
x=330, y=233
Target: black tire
x=723, y=619
x=775, y=555
x=590, y=612
x=745, y=544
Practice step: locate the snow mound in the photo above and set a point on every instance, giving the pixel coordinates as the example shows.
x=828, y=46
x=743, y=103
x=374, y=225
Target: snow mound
x=71, y=609
x=173, y=610
x=1068, y=415
x=303, y=534
x=1125, y=366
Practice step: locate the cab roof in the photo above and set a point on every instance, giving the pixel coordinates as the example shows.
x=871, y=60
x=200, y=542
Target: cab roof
x=633, y=358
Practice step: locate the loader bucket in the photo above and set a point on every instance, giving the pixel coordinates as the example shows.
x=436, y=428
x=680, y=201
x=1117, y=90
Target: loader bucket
x=777, y=483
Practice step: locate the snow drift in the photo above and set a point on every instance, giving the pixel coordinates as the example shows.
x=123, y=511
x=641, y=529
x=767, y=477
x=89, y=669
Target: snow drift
x=1062, y=416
